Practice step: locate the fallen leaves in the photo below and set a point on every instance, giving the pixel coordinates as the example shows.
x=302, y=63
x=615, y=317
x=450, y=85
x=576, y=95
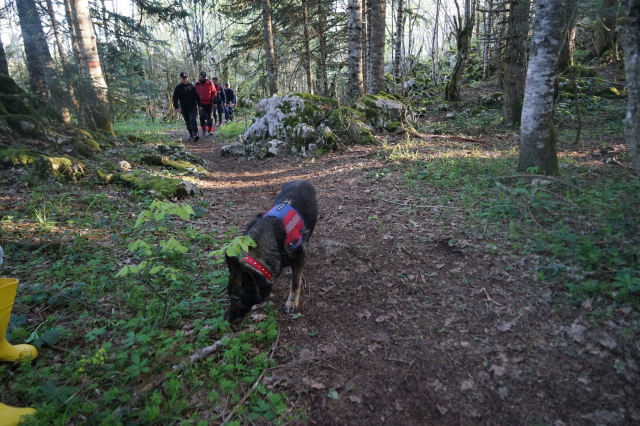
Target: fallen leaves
x=498, y=371
x=364, y=314
x=467, y=385
x=576, y=332
x=317, y=385
x=506, y=326
x=608, y=342
x=329, y=349
x=380, y=337
x=355, y=399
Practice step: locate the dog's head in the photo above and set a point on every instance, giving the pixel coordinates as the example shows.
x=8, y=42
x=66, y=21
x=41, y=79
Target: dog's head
x=246, y=288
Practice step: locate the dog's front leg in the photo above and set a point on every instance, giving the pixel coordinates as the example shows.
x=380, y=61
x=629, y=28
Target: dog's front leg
x=294, y=291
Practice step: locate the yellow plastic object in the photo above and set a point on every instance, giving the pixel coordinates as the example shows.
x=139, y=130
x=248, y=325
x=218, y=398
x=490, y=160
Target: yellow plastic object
x=9, y=352
x=12, y=416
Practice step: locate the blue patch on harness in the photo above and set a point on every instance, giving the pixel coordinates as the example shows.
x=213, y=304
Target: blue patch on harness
x=292, y=221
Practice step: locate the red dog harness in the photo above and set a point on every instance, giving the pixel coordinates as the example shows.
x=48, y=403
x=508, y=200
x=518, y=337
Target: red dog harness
x=293, y=226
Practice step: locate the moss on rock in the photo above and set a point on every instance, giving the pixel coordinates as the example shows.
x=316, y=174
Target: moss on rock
x=610, y=93
x=85, y=150
x=103, y=176
x=17, y=157
x=58, y=167
x=24, y=124
x=8, y=86
x=582, y=71
x=382, y=110
x=183, y=166
x=166, y=187
x=135, y=138
x=14, y=104
x=154, y=160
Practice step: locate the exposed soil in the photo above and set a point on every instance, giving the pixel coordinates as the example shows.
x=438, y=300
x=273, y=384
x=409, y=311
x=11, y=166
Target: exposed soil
x=409, y=327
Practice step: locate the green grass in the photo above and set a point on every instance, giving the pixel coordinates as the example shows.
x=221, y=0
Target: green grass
x=101, y=336
x=239, y=125
x=151, y=131
x=585, y=233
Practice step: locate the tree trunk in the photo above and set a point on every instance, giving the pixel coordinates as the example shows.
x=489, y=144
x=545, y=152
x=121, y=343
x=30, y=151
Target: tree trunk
x=323, y=80
x=37, y=79
x=434, y=46
x=515, y=62
x=356, y=88
x=605, y=30
x=268, y=43
x=538, y=138
x=32, y=29
x=63, y=60
x=89, y=50
x=4, y=65
x=399, y=36
x=376, y=52
x=631, y=45
x=365, y=45
x=307, y=47
x=463, y=42
x=83, y=74
x=565, y=58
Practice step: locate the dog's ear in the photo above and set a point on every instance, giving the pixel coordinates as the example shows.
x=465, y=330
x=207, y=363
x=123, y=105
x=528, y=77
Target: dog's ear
x=259, y=215
x=232, y=262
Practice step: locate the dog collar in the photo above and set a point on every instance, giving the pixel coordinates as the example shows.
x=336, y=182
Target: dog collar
x=259, y=266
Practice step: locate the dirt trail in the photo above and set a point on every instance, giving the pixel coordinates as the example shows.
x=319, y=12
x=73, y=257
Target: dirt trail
x=413, y=333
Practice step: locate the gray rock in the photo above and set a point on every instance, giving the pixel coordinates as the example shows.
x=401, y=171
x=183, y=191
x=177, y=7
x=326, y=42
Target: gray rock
x=124, y=165
x=450, y=116
x=187, y=188
x=235, y=149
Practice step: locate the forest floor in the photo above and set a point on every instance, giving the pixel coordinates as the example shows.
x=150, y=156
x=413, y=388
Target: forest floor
x=441, y=287
x=419, y=315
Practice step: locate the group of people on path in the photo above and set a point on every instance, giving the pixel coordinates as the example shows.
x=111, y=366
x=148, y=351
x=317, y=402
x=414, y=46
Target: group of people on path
x=206, y=97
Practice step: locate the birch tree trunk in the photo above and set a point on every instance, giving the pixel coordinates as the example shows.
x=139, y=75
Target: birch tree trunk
x=463, y=41
x=538, y=137
x=356, y=88
x=99, y=90
x=307, y=48
x=32, y=29
x=4, y=65
x=268, y=43
x=515, y=61
x=376, y=53
x=397, y=63
x=631, y=45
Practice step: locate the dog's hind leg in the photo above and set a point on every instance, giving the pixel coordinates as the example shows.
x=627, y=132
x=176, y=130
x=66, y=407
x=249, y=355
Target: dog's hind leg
x=294, y=291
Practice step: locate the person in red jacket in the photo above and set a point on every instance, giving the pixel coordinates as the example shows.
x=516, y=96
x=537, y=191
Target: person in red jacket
x=207, y=92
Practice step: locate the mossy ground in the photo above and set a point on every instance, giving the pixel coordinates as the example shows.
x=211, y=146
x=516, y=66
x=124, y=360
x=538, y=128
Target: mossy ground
x=17, y=157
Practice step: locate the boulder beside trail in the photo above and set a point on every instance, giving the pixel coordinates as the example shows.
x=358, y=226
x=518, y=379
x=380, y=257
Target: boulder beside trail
x=302, y=119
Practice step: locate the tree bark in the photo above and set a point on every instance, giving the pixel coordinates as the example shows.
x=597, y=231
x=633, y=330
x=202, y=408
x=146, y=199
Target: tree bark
x=365, y=45
x=565, y=58
x=87, y=43
x=270, y=52
x=605, y=29
x=307, y=47
x=631, y=45
x=356, y=89
x=538, y=138
x=81, y=70
x=515, y=62
x=376, y=52
x=434, y=46
x=37, y=79
x=4, y=65
x=323, y=81
x=397, y=63
x=463, y=41
x=32, y=29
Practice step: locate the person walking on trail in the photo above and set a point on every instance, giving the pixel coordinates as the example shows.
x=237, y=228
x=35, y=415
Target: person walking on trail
x=220, y=100
x=207, y=92
x=230, y=97
x=186, y=101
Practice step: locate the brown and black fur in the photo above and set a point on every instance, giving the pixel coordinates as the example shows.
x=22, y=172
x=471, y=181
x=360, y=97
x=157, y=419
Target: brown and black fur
x=247, y=286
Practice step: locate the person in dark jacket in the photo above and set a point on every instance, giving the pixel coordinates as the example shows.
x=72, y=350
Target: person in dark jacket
x=207, y=92
x=220, y=101
x=230, y=97
x=186, y=100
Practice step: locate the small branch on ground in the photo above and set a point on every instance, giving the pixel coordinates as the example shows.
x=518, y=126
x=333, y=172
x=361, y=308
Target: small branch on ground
x=543, y=177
